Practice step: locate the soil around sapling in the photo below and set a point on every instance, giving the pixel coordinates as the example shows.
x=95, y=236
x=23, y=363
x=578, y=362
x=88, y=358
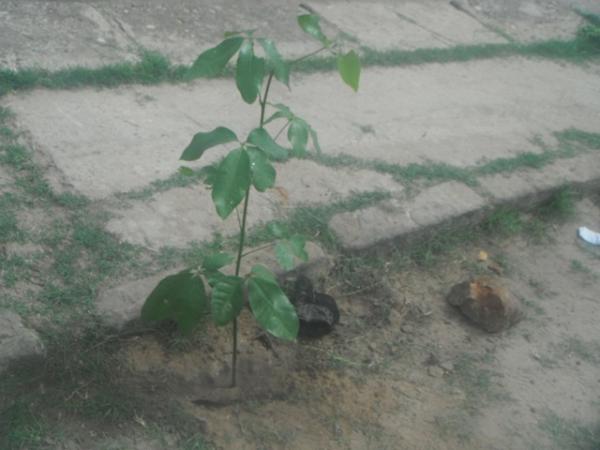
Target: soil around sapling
x=401, y=370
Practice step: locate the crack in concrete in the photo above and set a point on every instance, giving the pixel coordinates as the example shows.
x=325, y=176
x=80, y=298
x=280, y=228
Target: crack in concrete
x=459, y=6
x=435, y=34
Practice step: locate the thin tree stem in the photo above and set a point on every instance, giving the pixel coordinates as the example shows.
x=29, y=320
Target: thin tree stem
x=263, y=103
x=258, y=249
x=237, y=273
x=238, y=263
x=302, y=58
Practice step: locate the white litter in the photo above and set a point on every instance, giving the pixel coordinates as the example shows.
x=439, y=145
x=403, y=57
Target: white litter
x=589, y=236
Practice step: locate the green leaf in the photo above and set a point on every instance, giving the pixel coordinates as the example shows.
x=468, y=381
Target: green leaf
x=283, y=112
x=180, y=297
x=280, y=67
x=263, y=173
x=277, y=229
x=231, y=182
x=310, y=25
x=315, y=139
x=297, y=243
x=261, y=138
x=186, y=171
x=349, y=69
x=287, y=249
x=227, y=300
x=261, y=271
x=298, y=136
x=212, y=61
x=249, y=73
x=284, y=254
x=203, y=141
x=213, y=277
x=272, y=309
x=216, y=261
x=210, y=174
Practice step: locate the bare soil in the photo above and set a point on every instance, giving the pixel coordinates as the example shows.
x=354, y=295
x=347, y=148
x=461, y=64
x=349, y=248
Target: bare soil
x=403, y=370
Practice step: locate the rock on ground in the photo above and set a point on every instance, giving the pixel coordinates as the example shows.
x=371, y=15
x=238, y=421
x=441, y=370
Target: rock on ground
x=485, y=302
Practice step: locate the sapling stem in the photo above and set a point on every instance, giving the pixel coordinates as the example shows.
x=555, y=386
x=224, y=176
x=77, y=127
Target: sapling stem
x=238, y=263
x=258, y=249
x=302, y=58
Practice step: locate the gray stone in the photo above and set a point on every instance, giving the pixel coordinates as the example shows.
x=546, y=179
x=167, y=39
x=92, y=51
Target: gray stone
x=447, y=366
x=395, y=219
x=18, y=344
x=435, y=371
x=121, y=305
x=486, y=303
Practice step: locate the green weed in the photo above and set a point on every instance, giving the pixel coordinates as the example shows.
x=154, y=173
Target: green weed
x=15, y=156
x=559, y=206
x=504, y=222
x=537, y=309
x=578, y=266
x=588, y=351
x=471, y=374
x=22, y=428
x=155, y=68
x=567, y=433
x=151, y=69
x=9, y=228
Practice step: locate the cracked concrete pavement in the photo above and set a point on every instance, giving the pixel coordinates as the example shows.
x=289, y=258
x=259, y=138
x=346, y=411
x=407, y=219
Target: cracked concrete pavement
x=107, y=143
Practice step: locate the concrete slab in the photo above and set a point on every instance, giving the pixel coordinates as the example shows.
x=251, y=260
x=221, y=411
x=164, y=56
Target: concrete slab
x=62, y=33
x=111, y=141
x=531, y=20
x=179, y=216
x=55, y=35
x=59, y=34
x=392, y=220
x=528, y=187
x=407, y=25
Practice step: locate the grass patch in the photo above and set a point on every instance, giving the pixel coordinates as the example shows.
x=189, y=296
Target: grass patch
x=22, y=428
x=569, y=433
x=571, y=143
x=471, y=374
x=560, y=206
x=503, y=222
x=78, y=254
x=87, y=386
x=15, y=156
x=152, y=68
x=9, y=228
x=588, y=351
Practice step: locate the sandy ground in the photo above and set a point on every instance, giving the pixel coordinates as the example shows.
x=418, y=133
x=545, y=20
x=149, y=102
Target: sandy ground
x=403, y=370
